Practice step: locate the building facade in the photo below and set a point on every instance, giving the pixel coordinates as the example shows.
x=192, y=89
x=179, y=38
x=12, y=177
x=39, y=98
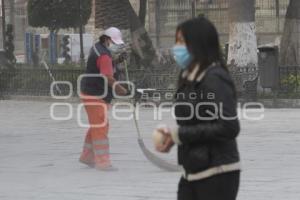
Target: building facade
x=165, y=15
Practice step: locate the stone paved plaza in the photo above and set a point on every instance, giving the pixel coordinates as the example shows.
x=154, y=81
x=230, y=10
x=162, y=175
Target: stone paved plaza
x=39, y=158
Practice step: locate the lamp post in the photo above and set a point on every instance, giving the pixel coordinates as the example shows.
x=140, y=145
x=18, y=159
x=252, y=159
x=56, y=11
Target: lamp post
x=82, y=62
x=3, y=23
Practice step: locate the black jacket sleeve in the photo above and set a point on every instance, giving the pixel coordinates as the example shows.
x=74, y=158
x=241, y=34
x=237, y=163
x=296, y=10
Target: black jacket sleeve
x=225, y=126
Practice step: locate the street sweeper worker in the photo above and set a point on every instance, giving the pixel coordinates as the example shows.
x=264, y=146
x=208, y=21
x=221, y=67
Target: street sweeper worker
x=206, y=114
x=96, y=95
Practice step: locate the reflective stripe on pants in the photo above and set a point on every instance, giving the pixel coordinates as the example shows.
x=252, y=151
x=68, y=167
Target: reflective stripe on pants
x=97, y=135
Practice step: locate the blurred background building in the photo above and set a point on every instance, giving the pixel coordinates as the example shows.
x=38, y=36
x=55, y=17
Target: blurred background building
x=16, y=14
x=163, y=17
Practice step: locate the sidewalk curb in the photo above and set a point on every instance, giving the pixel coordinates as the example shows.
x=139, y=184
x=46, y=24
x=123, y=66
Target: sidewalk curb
x=40, y=98
x=268, y=103
x=280, y=103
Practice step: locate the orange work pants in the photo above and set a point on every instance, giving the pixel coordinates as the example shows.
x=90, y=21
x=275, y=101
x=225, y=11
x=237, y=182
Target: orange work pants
x=96, y=145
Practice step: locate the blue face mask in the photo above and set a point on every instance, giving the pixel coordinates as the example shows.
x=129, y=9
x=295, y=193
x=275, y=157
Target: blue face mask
x=182, y=56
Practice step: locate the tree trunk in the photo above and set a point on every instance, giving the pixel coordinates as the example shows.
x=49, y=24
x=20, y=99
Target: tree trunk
x=12, y=12
x=290, y=41
x=119, y=13
x=242, y=41
x=143, y=11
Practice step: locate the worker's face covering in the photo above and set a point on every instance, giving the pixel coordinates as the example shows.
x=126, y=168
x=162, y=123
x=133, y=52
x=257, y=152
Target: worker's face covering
x=113, y=48
x=116, y=50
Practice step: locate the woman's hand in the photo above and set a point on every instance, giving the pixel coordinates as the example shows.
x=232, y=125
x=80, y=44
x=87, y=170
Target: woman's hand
x=167, y=143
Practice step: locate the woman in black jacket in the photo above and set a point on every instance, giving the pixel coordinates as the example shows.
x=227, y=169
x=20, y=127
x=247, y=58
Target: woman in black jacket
x=206, y=114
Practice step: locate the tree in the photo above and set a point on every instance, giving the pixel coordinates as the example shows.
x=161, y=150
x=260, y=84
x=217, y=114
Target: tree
x=143, y=11
x=58, y=14
x=119, y=13
x=290, y=41
x=242, y=40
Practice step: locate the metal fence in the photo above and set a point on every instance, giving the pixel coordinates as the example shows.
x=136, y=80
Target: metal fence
x=37, y=82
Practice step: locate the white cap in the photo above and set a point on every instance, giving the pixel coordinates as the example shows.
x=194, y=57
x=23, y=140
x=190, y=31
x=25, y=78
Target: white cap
x=115, y=35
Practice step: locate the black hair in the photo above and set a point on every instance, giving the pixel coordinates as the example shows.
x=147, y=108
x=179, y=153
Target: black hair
x=103, y=39
x=202, y=41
